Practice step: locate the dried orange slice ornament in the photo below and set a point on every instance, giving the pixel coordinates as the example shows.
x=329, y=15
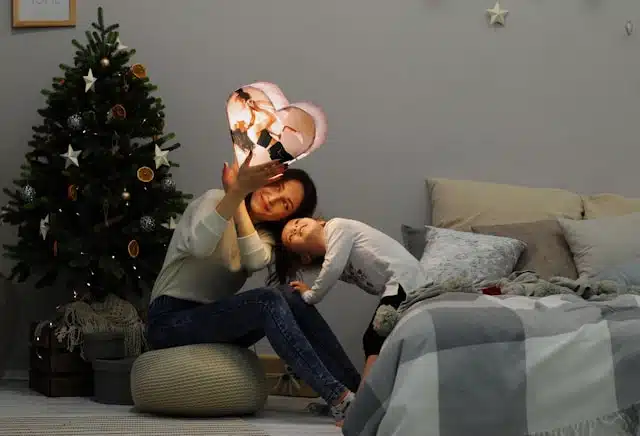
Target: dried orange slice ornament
x=139, y=71
x=72, y=192
x=133, y=248
x=145, y=174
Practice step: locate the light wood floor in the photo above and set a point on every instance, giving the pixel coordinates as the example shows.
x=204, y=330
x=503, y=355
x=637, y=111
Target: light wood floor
x=282, y=416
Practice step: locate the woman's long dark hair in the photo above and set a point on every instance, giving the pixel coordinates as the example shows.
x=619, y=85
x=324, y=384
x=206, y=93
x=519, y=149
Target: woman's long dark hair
x=286, y=265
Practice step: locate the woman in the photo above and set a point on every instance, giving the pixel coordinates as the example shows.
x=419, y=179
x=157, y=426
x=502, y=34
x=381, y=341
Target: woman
x=215, y=247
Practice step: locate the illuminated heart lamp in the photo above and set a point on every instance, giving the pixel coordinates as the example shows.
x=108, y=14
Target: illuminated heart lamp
x=262, y=119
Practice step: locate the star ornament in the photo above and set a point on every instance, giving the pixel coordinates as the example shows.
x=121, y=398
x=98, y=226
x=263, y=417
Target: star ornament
x=171, y=225
x=44, y=227
x=89, y=81
x=497, y=15
x=161, y=157
x=119, y=45
x=71, y=157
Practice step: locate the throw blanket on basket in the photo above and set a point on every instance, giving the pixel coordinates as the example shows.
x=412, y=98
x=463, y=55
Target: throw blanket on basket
x=465, y=363
x=112, y=314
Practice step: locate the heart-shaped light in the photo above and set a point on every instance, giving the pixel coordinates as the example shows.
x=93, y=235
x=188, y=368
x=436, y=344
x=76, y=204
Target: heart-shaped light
x=262, y=119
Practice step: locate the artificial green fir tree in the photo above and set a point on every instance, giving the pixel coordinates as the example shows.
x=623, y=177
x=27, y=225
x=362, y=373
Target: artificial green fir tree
x=96, y=204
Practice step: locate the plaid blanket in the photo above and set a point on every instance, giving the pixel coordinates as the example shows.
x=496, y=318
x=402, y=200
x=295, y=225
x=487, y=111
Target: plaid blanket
x=461, y=364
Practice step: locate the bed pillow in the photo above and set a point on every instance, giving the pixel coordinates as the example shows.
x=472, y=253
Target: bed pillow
x=451, y=254
x=599, y=244
x=547, y=252
x=461, y=204
x=604, y=205
x=627, y=274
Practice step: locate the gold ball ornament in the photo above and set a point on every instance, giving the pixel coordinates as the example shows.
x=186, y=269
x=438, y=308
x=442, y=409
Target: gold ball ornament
x=126, y=195
x=145, y=174
x=105, y=62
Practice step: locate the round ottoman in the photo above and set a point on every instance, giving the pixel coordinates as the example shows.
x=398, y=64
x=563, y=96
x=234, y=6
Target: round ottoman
x=202, y=380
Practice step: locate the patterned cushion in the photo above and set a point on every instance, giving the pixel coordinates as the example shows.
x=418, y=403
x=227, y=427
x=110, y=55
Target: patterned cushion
x=199, y=380
x=452, y=254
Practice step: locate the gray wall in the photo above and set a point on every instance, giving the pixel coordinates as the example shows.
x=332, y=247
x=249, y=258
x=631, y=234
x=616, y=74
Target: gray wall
x=412, y=88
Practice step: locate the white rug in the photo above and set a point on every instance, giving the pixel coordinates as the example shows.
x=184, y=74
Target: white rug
x=138, y=425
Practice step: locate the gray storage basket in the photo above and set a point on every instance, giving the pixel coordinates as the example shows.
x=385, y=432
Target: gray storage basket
x=112, y=381
x=105, y=345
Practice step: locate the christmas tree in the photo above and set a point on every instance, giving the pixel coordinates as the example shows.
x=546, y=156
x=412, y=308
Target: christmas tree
x=95, y=205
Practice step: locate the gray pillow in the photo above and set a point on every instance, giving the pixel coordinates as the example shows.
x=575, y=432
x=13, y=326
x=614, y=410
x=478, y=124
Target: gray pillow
x=414, y=239
x=547, y=252
x=599, y=244
x=451, y=254
x=627, y=274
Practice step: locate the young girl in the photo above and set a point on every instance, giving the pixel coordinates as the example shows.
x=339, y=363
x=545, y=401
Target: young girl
x=353, y=252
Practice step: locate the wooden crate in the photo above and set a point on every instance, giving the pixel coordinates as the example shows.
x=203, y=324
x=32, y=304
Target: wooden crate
x=54, y=371
x=281, y=382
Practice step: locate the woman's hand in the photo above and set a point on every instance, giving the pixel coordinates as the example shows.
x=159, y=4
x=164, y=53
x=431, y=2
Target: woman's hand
x=300, y=287
x=245, y=179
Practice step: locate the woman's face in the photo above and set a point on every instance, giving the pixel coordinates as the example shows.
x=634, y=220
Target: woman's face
x=276, y=201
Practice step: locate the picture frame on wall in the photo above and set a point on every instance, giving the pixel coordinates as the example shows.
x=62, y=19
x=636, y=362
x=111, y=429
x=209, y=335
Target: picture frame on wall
x=44, y=13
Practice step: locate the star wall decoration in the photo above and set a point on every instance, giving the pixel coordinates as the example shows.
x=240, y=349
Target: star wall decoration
x=497, y=15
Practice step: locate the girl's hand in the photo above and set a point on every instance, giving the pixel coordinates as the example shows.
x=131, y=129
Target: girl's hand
x=245, y=179
x=300, y=287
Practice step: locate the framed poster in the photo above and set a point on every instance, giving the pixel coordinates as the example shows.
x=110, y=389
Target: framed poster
x=44, y=13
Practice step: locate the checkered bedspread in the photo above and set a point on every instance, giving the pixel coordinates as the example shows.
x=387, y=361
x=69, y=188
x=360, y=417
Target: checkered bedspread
x=466, y=364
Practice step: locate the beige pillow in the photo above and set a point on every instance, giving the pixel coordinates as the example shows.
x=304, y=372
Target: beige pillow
x=603, y=205
x=460, y=204
x=599, y=244
x=547, y=252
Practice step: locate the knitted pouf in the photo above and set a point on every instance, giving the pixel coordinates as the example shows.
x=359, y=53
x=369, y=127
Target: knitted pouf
x=199, y=380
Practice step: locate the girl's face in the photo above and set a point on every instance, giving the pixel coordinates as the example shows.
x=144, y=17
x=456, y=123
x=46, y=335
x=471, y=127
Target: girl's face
x=305, y=237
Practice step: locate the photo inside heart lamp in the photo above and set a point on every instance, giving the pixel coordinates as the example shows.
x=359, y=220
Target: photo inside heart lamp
x=262, y=119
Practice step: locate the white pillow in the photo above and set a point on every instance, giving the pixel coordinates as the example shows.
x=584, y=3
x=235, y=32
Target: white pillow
x=452, y=254
x=599, y=244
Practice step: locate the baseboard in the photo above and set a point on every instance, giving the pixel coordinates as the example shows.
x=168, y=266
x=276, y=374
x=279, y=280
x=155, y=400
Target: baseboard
x=16, y=374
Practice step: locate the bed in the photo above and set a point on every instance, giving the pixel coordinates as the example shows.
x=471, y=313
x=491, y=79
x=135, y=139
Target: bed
x=547, y=354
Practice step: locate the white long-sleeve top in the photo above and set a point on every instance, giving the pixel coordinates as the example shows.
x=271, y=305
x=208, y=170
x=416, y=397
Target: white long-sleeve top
x=361, y=255
x=206, y=260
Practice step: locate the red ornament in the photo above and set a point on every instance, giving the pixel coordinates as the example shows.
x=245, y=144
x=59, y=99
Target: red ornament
x=492, y=290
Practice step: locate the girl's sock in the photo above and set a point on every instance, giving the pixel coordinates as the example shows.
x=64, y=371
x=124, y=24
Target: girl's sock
x=339, y=411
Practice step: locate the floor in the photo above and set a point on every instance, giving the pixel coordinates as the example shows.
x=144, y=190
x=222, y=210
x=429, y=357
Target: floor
x=283, y=416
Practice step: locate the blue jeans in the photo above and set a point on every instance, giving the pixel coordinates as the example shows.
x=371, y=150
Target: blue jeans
x=297, y=332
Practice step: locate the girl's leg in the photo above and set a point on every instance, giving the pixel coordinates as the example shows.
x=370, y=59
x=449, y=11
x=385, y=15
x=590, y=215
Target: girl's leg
x=322, y=339
x=233, y=319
